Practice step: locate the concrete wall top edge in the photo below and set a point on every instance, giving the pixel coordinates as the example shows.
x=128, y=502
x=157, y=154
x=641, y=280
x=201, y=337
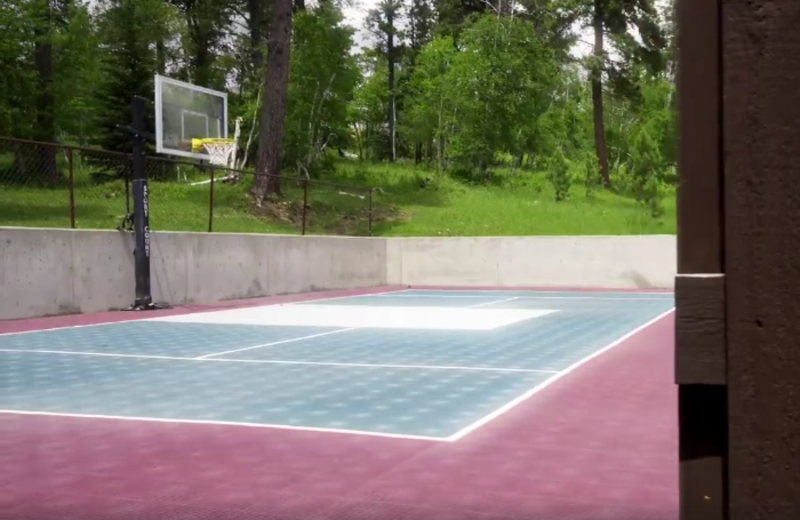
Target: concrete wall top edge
x=59, y=230
x=339, y=237
x=559, y=237
x=89, y=230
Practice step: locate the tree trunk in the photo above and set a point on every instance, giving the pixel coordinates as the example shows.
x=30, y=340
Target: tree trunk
x=440, y=151
x=505, y=7
x=429, y=150
x=202, y=58
x=390, y=60
x=255, y=13
x=161, y=55
x=273, y=112
x=45, y=169
x=597, y=94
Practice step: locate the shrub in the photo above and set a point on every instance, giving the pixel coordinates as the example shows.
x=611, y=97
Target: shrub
x=558, y=173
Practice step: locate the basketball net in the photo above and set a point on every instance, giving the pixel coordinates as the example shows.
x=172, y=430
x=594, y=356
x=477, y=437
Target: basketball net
x=221, y=152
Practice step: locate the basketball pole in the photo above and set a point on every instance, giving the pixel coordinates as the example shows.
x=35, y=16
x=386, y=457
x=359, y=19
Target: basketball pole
x=141, y=208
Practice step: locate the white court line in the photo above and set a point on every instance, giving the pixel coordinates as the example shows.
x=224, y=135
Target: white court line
x=549, y=381
x=285, y=362
x=532, y=291
x=493, y=302
x=227, y=423
x=331, y=298
x=382, y=366
x=146, y=318
x=473, y=296
x=595, y=298
x=273, y=343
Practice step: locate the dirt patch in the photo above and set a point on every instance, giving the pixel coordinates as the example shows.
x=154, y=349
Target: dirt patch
x=358, y=223
x=327, y=218
x=287, y=211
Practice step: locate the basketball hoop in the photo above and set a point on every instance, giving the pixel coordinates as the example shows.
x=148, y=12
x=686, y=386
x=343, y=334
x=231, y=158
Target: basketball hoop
x=221, y=152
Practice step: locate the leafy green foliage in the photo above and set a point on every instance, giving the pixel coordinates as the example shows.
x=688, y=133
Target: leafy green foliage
x=592, y=181
x=429, y=114
x=17, y=83
x=647, y=172
x=367, y=113
x=560, y=176
x=127, y=62
x=78, y=76
x=323, y=76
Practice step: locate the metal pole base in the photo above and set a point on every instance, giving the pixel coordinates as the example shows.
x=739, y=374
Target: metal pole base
x=148, y=306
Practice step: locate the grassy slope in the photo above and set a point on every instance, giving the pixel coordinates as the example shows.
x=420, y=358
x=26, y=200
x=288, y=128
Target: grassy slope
x=523, y=205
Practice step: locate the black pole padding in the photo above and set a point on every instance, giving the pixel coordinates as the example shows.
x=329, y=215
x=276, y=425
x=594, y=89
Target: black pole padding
x=141, y=209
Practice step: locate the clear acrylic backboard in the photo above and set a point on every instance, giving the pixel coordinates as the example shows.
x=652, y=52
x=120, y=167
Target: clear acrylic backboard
x=185, y=112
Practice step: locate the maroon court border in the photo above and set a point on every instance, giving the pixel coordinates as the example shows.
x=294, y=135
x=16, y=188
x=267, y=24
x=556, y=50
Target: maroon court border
x=599, y=444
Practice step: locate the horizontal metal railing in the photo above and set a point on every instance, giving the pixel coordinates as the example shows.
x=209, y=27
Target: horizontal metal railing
x=59, y=185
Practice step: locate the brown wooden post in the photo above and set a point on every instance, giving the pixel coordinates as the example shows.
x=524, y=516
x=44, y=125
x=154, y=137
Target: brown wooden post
x=738, y=285
x=761, y=151
x=699, y=287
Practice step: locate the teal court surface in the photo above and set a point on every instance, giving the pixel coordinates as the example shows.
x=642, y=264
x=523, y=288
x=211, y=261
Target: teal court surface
x=414, y=363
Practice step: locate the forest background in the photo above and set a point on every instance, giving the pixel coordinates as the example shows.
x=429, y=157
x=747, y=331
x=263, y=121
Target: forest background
x=432, y=117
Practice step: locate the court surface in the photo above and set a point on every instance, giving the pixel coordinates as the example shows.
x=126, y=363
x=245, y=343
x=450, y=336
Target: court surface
x=415, y=366
x=415, y=363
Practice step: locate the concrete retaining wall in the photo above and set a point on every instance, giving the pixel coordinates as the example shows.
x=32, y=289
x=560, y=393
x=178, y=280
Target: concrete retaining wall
x=586, y=261
x=56, y=271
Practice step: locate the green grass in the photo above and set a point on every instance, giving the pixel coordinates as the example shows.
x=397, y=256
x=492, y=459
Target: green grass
x=521, y=204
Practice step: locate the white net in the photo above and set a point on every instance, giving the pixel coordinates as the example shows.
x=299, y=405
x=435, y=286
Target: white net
x=221, y=153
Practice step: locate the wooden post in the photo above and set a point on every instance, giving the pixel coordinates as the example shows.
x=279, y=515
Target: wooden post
x=738, y=285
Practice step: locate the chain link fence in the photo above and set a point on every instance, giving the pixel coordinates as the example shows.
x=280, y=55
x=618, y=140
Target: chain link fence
x=61, y=186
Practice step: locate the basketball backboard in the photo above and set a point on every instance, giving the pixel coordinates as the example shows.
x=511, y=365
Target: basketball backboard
x=185, y=112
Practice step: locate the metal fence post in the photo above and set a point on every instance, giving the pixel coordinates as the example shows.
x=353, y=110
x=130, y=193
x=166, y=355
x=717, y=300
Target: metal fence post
x=211, y=201
x=369, y=215
x=305, y=204
x=71, y=180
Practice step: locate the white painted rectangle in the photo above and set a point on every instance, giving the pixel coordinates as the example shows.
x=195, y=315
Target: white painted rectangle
x=357, y=316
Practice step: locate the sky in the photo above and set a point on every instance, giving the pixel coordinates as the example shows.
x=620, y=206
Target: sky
x=356, y=14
